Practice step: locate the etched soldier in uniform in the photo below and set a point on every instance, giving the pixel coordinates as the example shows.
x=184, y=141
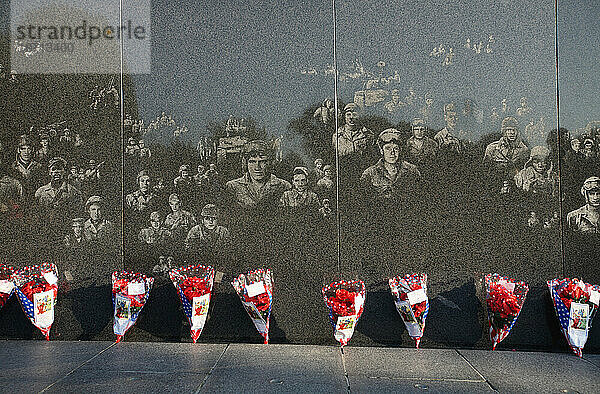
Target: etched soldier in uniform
x=131, y=148
x=75, y=238
x=199, y=177
x=97, y=228
x=421, y=149
x=300, y=196
x=207, y=234
x=28, y=169
x=509, y=153
x=142, y=198
x=156, y=233
x=179, y=221
x=390, y=176
x=43, y=154
x=257, y=188
x=318, y=169
x=446, y=137
x=350, y=138
x=538, y=176
x=59, y=198
x=585, y=219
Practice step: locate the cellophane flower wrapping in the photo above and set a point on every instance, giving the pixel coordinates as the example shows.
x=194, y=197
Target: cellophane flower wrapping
x=575, y=303
x=410, y=296
x=36, y=288
x=345, y=301
x=194, y=285
x=130, y=291
x=504, y=299
x=7, y=287
x=255, y=289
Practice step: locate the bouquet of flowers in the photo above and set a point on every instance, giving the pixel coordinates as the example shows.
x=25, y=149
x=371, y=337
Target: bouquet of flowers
x=6, y=284
x=36, y=287
x=345, y=301
x=194, y=285
x=576, y=303
x=410, y=297
x=255, y=290
x=504, y=298
x=130, y=292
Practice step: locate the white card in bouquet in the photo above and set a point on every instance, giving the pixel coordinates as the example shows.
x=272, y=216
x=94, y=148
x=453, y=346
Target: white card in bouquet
x=136, y=288
x=6, y=286
x=43, y=308
x=578, y=323
x=50, y=277
x=595, y=297
x=256, y=288
x=417, y=296
x=200, y=311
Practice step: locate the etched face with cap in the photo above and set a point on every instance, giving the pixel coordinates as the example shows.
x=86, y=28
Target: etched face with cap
x=95, y=211
x=300, y=182
x=209, y=222
x=174, y=202
x=350, y=115
x=591, y=191
x=575, y=144
x=25, y=152
x=258, y=167
x=418, y=128
x=155, y=220
x=57, y=172
x=144, y=182
x=77, y=227
x=539, y=164
x=391, y=152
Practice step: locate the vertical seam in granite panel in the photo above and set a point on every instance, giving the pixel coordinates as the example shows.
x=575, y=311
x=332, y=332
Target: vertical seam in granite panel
x=558, y=143
x=337, y=156
x=122, y=136
x=76, y=368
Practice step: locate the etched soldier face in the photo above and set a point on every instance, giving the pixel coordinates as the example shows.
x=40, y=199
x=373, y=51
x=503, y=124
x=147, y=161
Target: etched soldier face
x=319, y=165
x=25, y=153
x=391, y=153
x=300, y=182
x=257, y=167
x=95, y=212
x=185, y=174
x=57, y=173
x=77, y=229
x=144, y=183
x=155, y=223
x=175, y=205
x=209, y=222
x=575, y=145
x=44, y=143
x=350, y=117
x=539, y=165
x=594, y=198
x=418, y=132
x=510, y=133
x=327, y=173
x=450, y=119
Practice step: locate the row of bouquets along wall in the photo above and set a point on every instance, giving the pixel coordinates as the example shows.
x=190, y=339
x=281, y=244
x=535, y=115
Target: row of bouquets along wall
x=575, y=301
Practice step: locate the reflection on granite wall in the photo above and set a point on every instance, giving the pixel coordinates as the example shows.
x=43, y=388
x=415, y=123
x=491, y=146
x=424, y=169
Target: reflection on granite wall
x=443, y=157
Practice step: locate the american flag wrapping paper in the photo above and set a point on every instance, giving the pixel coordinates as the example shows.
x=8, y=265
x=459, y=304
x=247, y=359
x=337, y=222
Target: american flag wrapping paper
x=410, y=296
x=255, y=289
x=7, y=287
x=345, y=302
x=36, y=288
x=575, y=303
x=194, y=285
x=504, y=299
x=130, y=291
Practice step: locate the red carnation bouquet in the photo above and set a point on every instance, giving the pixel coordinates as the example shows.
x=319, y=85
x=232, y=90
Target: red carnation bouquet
x=576, y=303
x=504, y=298
x=36, y=288
x=255, y=290
x=194, y=285
x=410, y=297
x=345, y=301
x=130, y=291
x=6, y=284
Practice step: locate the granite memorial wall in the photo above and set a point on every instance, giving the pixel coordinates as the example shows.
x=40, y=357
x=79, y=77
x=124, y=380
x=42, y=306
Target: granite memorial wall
x=434, y=150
